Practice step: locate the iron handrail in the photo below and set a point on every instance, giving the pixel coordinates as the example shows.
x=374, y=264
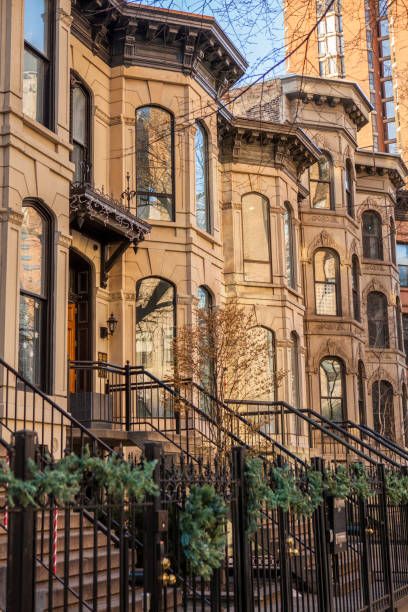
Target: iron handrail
x=55, y=407
x=388, y=443
x=329, y=425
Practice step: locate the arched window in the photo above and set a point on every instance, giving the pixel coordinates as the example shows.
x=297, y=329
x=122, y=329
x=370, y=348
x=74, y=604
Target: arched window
x=393, y=242
x=377, y=316
x=289, y=246
x=34, y=319
x=321, y=184
x=349, y=188
x=372, y=235
x=327, y=282
x=398, y=316
x=80, y=130
x=383, y=408
x=205, y=299
x=355, y=287
x=332, y=389
x=256, y=237
x=154, y=163
x=155, y=325
x=362, y=412
x=202, y=199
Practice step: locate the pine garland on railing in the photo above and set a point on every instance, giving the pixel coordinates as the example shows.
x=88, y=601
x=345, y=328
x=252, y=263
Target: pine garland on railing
x=63, y=480
x=303, y=494
x=203, y=530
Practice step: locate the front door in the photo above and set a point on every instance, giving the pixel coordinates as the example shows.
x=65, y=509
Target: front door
x=72, y=343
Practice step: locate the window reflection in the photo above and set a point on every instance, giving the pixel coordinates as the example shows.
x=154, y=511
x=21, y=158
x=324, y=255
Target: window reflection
x=320, y=184
x=383, y=408
x=331, y=388
x=255, y=230
x=155, y=323
x=326, y=268
x=201, y=179
x=154, y=163
x=33, y=295
x=289, y=250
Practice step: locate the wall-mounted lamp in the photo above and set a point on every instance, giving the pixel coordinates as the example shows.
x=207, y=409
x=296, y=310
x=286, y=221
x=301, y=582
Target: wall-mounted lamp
x=111, y=323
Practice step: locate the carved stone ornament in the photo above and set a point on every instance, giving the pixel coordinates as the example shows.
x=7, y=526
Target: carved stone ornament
x=331, y=348
x=381, y=373
x=13, y=216
x=64, y=240
x=374, y=285
x=324, y=239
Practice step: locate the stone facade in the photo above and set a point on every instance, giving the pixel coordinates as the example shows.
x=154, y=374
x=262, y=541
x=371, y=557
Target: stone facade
x=263, y=142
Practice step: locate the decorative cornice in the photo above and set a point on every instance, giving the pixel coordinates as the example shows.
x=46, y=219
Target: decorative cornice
x=121, y=33
x=284, y=143
x=351, y=109
x=378, y=170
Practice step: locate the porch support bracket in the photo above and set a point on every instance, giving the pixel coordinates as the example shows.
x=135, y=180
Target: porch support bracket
x=108, y=263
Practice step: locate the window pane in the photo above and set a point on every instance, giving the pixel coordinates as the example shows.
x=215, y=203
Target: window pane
x=255, y=229
x=79, y=116
x=204, y=298
x=391, y=131
x=377, y=315
x=33, y=239
x=289, y=254
x=372, y=236
x=30, y=333
x=383, y=410
x=385, y=48
x=331, y=23
x=33, y=87
x=36, y=24
x=389, y=109
x=326, y=282
x=154, y=164
x=201, y=179
x=155, y=326
x=387, y=89
x=331, y=389
x=386, y=68
x=384, y=27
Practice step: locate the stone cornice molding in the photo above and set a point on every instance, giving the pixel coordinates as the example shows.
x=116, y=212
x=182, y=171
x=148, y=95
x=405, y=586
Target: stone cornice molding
x=122, y=33
x=285, y=143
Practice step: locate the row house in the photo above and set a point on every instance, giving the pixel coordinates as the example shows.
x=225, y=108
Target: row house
x=139, y=183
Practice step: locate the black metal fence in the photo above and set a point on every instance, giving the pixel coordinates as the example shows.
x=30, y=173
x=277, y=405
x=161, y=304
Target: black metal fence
x=94, y=554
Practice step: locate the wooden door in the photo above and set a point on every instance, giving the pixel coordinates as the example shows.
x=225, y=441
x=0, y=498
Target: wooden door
x=72, y=344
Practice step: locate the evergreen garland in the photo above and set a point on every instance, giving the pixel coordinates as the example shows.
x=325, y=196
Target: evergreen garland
x=63, y=480
x=202, y=526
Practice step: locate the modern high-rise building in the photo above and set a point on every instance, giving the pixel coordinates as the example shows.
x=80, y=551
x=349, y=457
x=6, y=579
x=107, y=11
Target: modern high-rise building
x=364, y=41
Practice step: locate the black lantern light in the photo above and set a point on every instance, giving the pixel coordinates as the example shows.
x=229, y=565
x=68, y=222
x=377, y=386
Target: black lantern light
x=111, y=323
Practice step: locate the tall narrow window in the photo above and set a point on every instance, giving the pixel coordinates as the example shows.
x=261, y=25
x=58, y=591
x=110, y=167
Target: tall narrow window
x=155, y=325
x=377, y=315
x=80, y=130
x=38, y=53
x=355, y=287
x=372, y=235
x=362, y=412
x=398, y=316
x=255, y=233
x=402, y=260
x=327, y=289
x=34, y=295
x=321, y=184
x=261, y=383
x=349, y=187
x=295, y=371
x=405, y=334
x=201, y=179
x=392, y=242
x=154, y=163
x=332, y=396
x=383, y=408
x=405, y=412
x=289, y=247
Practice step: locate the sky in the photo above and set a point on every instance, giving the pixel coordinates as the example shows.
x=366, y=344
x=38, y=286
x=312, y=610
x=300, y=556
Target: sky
x=255, y=27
